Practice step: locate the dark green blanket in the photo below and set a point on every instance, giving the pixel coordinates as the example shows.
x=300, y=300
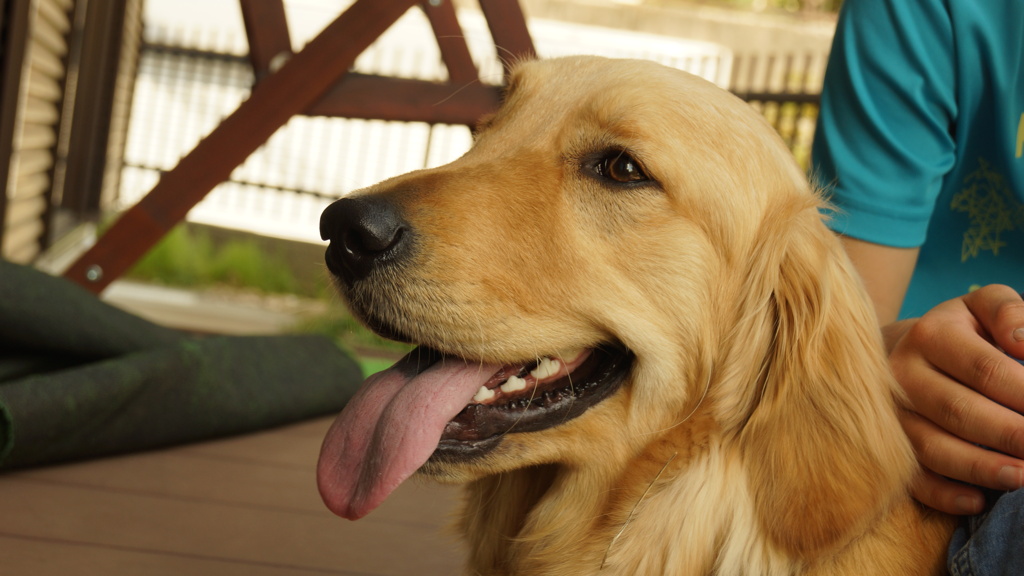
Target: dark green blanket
x=80, y=378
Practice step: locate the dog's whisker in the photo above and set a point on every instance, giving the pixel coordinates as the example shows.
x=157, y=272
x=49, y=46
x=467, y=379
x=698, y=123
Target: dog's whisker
x=703, y=396
x=572, y=389
x=632, y=512
x=457, y=90
x=508, y=58
x=533, y=396
x=493, y=495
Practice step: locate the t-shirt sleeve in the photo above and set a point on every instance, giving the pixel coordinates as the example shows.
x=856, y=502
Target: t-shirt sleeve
x=884, y=141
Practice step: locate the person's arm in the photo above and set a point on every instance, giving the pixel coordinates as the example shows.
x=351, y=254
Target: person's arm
x=886, y=273
x=963, y=390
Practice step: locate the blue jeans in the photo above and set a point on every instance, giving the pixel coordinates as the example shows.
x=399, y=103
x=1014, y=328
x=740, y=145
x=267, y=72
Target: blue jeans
x=991, y=543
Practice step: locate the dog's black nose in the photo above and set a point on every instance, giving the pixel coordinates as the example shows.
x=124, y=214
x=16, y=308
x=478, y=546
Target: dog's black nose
x=364, y=232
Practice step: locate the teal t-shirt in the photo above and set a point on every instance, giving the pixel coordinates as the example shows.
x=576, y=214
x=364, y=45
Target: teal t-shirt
x=920, y=138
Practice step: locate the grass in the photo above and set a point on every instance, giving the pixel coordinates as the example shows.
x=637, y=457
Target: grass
x=189, y=257
x=372, y=365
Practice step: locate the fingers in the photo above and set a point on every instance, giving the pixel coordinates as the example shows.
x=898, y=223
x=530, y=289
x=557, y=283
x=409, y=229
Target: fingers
x=966, y=395
x=945, y=495
x=971, y=416
x=944, y=453
x=956, y=378
x=1000, y=311
x=944, y=456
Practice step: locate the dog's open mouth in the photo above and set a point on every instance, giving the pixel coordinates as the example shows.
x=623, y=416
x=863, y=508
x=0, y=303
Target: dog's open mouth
x=443, y=408
x=532, y=396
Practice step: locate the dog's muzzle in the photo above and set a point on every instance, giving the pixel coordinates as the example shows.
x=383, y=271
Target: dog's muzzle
x=366, y=233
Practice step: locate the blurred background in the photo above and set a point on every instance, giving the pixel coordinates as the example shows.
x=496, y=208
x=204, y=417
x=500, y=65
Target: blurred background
x=100, y=98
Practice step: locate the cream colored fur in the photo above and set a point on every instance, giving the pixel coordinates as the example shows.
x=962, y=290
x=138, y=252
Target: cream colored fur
x=757, y=433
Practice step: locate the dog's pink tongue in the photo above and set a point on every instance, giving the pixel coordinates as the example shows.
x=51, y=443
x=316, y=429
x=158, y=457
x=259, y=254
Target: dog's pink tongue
x=390, y=427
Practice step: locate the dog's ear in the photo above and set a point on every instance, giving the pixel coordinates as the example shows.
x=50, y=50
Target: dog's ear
x=822, y=446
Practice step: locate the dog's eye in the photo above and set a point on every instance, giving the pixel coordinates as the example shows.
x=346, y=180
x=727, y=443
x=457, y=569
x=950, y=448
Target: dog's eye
x=620, y=167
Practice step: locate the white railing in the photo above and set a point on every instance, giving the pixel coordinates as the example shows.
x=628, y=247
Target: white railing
x=282, y=187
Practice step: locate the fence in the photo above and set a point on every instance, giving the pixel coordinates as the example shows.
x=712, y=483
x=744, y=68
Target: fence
x=786, y=89
x=189, y=81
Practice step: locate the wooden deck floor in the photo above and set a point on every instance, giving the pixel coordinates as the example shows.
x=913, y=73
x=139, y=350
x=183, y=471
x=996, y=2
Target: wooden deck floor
x=244, y=506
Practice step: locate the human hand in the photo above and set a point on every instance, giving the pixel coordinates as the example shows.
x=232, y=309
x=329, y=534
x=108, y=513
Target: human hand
x=964, y=392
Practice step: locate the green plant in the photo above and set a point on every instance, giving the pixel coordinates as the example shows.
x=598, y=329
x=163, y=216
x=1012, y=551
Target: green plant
x=243, y=264
x=372, y=365
x=182, y=258
x=188, y=257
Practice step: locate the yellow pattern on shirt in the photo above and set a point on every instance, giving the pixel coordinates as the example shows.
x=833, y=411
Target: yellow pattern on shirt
x=992, y=209
x=1020, y=136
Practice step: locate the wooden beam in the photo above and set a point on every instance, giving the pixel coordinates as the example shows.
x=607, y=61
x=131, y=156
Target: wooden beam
x=303, y=80
x=266, y=28
x=451, y=40
x=508, y=28
x=382, y=98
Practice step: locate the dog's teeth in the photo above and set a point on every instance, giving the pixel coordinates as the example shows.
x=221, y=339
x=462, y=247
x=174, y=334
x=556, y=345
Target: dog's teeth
x=547, y=367
x=514, y=384
x=483, y=394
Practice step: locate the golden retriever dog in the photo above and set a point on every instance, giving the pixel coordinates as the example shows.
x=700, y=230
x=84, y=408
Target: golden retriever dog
x=640, y=348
